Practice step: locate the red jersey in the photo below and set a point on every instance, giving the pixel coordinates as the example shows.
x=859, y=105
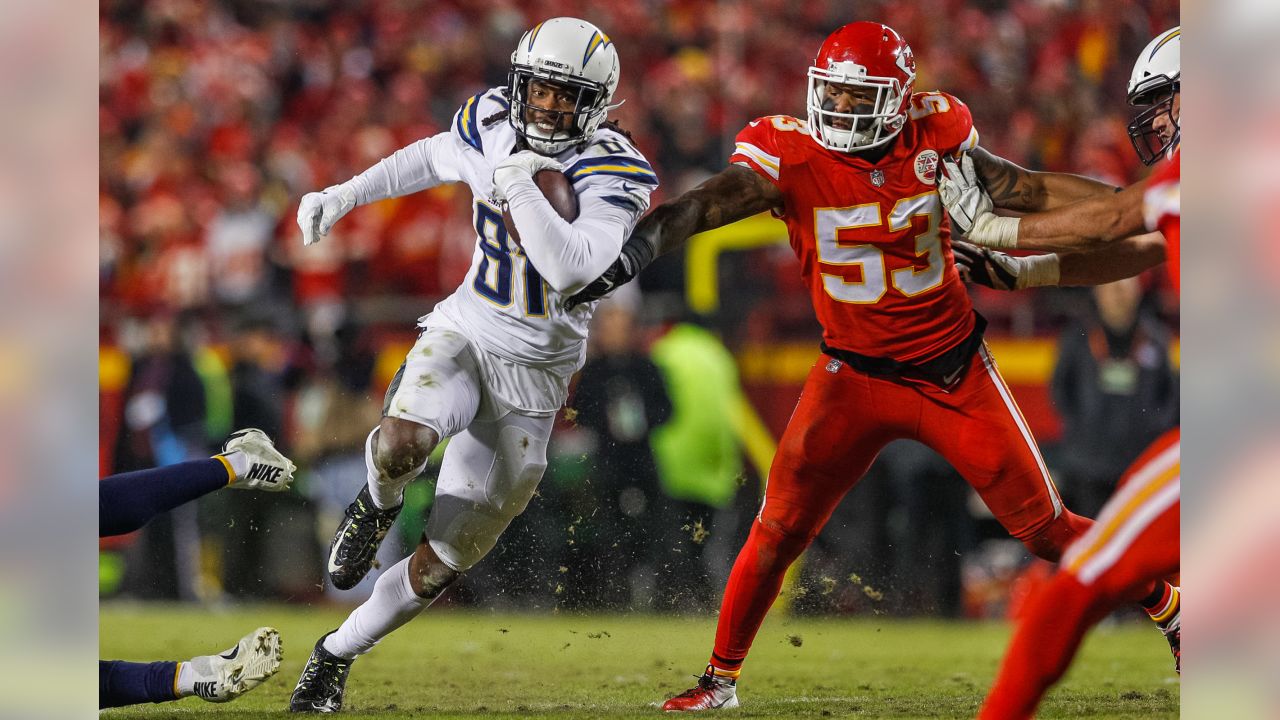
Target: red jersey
x=873, y=247
x=1162, y=209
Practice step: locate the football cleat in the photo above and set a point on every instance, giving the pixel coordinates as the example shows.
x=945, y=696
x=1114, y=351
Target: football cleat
x=323, y=682
x=269, y=469
x=225, y=677
x=355, y=544
x=1173, y=633
x=711, y=693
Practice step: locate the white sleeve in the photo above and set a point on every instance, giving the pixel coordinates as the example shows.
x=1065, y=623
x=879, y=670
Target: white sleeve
x=569, y=256
x=426, y=163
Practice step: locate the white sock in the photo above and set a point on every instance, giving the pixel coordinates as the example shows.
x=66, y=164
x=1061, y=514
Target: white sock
x=387, y=492
x=238, y=461
x=186, y=683
x=392, y=604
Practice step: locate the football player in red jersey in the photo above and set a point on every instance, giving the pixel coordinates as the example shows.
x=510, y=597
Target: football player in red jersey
x=902, y=350
x=1136, y=538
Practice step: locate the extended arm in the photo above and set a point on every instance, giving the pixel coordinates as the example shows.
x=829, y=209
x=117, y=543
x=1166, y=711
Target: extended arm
x=1118, y=260
x=426, y=163
x=733, y=194
x=1087, y=223
x=1012, y=187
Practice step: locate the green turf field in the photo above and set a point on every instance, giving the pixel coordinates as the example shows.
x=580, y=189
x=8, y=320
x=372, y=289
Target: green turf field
x=452, y=664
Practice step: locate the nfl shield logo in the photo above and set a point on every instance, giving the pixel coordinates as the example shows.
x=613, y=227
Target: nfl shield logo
x=877, y=177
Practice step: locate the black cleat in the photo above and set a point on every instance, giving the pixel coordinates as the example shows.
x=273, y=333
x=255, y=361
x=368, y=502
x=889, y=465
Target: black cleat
x=1173, y=633
x=355, y=544
x=323, y=682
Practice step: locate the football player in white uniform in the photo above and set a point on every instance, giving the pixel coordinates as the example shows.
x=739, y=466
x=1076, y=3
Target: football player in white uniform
x=492, y=363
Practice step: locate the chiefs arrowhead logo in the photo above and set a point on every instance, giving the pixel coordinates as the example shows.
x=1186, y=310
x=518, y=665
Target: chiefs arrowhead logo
x=927, y=167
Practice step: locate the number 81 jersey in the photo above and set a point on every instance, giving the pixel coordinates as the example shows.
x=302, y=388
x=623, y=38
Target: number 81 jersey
x=873, y=247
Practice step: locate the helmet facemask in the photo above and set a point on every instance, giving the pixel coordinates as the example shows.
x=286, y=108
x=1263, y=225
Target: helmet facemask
x=866, y=129
x=1143, y=133
x=567, y=127
x=1153, y=86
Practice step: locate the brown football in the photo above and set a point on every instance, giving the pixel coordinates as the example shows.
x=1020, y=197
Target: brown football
x=558, y=191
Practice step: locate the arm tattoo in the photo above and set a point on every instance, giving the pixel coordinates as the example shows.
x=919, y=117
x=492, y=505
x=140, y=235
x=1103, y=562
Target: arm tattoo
x=1010, y=187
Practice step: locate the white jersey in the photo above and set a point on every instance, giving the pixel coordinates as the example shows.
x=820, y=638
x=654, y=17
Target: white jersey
x=510, y=302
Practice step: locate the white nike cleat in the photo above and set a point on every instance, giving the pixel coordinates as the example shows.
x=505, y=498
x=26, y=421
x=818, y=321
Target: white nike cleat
x=711, y=693
x=268, y=469
x=225, y=677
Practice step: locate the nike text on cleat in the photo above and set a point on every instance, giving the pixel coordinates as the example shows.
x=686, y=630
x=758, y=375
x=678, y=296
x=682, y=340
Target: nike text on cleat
x=269, y=469
x=355, y=544
x=224, y=677
x=711, y=693
x=323, y=682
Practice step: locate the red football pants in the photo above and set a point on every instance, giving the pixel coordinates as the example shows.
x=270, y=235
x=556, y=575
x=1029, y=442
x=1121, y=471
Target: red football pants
x=842, y=421
x=1134, y=542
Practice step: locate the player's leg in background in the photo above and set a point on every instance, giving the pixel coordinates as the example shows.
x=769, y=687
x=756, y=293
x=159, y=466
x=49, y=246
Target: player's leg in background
x=434, y=395
x=217, y=678
x=824, y=451
x=126, y=683
x=1134, y=543
x=127, y=501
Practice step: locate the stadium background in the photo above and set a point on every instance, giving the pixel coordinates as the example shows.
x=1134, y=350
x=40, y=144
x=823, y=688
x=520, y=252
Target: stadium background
x=215, y=118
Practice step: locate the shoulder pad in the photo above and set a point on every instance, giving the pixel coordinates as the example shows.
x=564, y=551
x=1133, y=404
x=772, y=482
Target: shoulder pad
x=468, y=122
x=611, y=154
x=946, y=119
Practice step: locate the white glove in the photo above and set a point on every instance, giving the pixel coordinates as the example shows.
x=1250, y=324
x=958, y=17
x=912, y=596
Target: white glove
x=524, y=164
x=318, y=211
x=970, y=207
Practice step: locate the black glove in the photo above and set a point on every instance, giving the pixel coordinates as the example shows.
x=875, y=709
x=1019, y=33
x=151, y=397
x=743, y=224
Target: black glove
x=986, y=267
x=619, y=273
x=636, y=255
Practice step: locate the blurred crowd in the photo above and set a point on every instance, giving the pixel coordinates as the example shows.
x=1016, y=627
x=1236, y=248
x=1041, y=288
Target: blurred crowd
x=215, y=118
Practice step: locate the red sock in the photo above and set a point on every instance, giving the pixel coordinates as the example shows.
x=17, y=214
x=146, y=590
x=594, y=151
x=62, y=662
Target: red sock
x=753, y=585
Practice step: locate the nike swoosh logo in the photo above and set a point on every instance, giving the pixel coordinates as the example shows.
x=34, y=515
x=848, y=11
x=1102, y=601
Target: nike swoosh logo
x=333, y=555
x=949, y=378
x=231, y=655
x=333, y=566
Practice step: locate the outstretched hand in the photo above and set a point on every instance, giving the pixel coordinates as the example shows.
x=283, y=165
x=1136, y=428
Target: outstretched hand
x=318, y=211
x=970, y=207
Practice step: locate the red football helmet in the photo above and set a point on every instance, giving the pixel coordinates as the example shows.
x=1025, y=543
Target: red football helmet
x=864, y=55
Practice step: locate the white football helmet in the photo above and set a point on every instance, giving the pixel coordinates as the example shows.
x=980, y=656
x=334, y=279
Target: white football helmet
x=572, y=53
x=1156, y=78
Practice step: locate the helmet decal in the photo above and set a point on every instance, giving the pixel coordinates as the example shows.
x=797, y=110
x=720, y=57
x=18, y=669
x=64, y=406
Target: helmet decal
x=598, y=39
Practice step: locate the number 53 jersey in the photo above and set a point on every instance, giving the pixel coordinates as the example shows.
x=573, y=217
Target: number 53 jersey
x=873, y=248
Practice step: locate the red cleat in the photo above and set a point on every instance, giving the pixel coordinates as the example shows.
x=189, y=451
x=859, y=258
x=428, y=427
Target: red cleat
x=711, y=693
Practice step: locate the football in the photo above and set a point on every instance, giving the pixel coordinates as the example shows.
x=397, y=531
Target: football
x=558, y=191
